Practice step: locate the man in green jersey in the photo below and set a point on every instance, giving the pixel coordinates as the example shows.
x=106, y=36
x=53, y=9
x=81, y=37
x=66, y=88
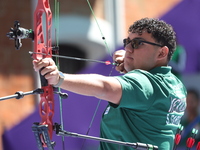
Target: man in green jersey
x=147, y=102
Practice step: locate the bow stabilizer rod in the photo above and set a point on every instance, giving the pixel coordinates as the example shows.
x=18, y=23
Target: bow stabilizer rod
x=138, y=146
x=20, y=94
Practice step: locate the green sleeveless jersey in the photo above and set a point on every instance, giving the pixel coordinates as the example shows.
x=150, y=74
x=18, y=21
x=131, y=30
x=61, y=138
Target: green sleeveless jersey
x=149, y=112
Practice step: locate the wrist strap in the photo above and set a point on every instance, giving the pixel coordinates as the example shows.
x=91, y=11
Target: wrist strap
x=61, y=79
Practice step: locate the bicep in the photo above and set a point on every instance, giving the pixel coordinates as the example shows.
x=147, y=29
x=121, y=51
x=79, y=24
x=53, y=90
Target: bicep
x=112, y=90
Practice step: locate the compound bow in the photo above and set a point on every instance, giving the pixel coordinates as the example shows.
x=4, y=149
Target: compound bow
x=43, y=48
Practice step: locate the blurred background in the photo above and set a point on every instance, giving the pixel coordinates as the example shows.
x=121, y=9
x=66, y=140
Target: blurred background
x=79, y=36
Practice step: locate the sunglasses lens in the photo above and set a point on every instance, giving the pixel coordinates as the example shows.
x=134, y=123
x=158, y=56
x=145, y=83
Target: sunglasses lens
x=135, y=43
x=124, y=42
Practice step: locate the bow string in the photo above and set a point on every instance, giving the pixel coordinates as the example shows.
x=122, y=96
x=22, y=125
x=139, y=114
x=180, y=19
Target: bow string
x=56, y=22
x=109, y=51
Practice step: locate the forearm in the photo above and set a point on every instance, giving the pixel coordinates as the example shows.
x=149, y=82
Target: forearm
x=106, y=88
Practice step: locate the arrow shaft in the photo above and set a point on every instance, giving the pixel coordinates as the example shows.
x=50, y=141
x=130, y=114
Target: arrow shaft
x=73, y=58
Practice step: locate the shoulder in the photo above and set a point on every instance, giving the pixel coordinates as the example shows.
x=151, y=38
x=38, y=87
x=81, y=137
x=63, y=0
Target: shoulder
x=135, y=78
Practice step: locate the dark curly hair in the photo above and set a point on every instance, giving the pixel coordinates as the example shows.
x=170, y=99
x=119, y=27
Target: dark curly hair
x=162, y=32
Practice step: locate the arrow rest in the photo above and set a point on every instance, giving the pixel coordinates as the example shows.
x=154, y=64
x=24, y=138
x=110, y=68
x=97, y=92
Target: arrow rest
x=17, y=33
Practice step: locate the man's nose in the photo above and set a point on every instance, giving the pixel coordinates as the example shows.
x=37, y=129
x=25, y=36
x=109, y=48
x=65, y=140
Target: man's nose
x=129, y=48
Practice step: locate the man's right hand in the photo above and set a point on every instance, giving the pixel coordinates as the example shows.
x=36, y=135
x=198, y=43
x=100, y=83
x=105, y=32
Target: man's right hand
x=118, y=57
x=48, y=69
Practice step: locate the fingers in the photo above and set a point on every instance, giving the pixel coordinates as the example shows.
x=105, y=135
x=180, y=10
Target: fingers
x=39, y=64
x=120, y=68
x=52, y=77
x=48, y=69
x=119, y=58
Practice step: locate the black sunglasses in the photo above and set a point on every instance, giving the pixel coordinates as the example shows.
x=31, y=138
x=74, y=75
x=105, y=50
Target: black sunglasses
x=135, y=43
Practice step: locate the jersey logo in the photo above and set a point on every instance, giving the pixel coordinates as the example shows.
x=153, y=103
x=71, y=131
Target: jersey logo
x=176, y=111
x=107, y=110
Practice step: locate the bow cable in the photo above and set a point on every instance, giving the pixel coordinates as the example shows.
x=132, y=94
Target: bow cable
x=102, y=35
x=109, y=51
x=56, y=22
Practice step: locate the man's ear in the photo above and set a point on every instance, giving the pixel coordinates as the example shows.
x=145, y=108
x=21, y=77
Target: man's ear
x=163, y=52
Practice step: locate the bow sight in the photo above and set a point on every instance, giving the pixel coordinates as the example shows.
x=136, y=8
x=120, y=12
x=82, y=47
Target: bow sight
x=17, y=33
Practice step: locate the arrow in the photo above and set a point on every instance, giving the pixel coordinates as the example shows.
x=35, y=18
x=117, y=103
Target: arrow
x=80, y=59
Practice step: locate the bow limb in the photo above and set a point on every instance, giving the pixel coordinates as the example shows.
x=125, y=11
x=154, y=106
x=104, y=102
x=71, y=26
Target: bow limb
x=44, y=45
x=42, y=38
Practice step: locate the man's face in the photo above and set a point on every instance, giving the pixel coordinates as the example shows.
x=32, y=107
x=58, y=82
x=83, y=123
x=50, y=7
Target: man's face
x=145, y=56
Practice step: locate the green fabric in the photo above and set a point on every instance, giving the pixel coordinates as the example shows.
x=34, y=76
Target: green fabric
x=179, y=50
x=176, y=58
x=151, y=106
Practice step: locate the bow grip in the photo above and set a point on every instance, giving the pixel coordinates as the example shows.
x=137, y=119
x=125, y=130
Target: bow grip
x=43, y=80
